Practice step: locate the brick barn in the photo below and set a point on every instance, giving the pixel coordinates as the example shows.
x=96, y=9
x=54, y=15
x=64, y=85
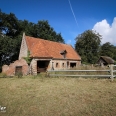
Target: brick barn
x=45, y=55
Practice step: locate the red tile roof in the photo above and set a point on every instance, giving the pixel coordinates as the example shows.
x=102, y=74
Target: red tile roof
x=44, y=48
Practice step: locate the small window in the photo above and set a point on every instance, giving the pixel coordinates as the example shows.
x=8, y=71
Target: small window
x=56, y=64
x=62, y=64
x=67, y=63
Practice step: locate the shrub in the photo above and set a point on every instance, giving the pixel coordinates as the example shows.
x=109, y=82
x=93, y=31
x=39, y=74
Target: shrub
x=3, y=75
x=19, y=74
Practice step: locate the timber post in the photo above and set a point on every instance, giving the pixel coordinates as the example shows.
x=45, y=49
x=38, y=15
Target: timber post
x=111, y=71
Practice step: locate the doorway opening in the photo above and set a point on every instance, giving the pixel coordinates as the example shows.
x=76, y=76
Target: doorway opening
x=72, y=65
x=42, y=66
x=18, y=69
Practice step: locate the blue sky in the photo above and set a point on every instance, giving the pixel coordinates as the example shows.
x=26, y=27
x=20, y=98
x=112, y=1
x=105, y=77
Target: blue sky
x=90, y=14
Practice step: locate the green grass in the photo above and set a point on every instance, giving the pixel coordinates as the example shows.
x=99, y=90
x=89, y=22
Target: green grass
x=41, y=96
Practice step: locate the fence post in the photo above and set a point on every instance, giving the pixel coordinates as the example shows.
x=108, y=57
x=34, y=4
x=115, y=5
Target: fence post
x=47, y=74
x=111, y=71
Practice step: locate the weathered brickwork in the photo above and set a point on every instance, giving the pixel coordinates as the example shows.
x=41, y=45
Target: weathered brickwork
x=46, y=55
x=10, y=70
x=33, y=66
x=63, y=64
x=23, y=49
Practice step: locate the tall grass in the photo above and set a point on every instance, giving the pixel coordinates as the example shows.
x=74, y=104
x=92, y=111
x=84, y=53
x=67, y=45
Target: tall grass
x=40, y=96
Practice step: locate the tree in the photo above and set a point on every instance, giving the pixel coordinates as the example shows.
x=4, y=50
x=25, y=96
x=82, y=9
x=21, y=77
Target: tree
x=7, y=49
x=11, y=31
x=107, y=49
x=43, y=30
x=40, y=30
x=9, y=24
x=87, y=45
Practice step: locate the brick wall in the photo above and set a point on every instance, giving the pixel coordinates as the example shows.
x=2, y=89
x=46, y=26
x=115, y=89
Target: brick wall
x=10, y=70
x=56, y=64
x=23, y=49
x=33, y=67
x=62, y=64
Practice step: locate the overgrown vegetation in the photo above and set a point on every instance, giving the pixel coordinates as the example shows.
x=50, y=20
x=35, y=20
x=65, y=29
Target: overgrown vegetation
x=19, y=74
x=38, y=96
x=28, y=58
x=3, y=75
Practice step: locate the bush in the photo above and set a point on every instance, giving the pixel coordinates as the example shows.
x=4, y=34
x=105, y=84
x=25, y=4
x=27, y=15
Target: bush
x=114, y=62
x=3, y=75
x=19, y=74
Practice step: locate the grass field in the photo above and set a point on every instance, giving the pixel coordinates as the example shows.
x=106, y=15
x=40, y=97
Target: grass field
x=41, y=96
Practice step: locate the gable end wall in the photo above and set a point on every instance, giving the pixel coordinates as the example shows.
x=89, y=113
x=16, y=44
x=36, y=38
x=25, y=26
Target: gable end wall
x=23, y=49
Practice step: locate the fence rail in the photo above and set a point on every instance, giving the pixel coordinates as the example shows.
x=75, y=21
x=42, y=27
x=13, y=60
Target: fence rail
x=111, y=71
x=78, y=70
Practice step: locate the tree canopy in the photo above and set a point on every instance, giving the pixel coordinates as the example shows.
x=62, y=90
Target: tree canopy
x=88, y=45
x=11, y=31
x=107, y=49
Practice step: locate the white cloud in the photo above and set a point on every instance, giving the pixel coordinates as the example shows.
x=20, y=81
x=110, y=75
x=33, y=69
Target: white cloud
x=107, y=31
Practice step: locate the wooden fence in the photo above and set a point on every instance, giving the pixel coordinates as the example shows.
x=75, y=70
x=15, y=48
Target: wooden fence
x=110, y=75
